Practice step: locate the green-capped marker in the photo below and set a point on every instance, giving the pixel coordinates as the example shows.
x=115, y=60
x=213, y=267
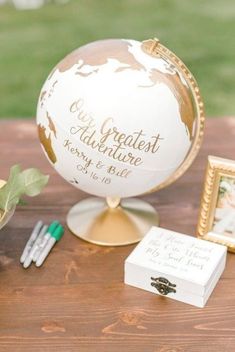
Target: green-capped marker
x=53, y=226
x=40, y=243
x=55, y=236
x=58, y=233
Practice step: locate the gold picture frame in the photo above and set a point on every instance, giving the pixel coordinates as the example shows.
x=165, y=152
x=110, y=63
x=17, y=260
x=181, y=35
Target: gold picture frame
x=217, y=209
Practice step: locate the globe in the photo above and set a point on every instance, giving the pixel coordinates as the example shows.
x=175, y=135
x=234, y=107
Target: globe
x=118, y=118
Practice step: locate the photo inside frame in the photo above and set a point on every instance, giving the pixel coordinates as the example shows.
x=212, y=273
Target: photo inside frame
x=224, y=215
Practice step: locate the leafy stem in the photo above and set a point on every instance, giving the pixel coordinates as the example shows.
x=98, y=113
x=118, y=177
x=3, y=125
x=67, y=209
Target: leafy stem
x=30, y=182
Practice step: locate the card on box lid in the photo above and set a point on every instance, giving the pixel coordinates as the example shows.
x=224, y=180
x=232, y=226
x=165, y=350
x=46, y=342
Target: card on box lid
x=182, y=267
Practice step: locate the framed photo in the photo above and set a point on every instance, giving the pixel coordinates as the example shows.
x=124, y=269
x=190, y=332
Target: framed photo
x=217, y=212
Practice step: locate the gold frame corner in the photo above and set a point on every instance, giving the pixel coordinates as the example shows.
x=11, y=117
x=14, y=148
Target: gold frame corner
x=216, y=168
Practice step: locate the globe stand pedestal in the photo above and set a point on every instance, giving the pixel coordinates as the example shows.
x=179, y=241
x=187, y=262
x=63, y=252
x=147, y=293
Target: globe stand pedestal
x=111, y=222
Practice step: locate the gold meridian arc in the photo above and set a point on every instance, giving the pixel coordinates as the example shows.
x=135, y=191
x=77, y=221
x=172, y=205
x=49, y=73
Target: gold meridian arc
x=165, y=53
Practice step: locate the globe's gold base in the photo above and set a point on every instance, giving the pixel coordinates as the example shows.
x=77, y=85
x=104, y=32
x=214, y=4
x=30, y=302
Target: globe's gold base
x=94, y=221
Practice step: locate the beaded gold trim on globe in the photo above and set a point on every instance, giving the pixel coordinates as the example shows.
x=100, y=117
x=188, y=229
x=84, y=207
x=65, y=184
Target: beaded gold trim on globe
x=153, y=47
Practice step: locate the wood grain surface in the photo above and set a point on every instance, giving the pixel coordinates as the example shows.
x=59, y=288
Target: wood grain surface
x=77, y=300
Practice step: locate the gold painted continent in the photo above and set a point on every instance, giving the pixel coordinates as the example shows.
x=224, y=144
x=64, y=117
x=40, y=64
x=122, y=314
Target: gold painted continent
x=51, y=125
x=91, y=54
x=47, y=144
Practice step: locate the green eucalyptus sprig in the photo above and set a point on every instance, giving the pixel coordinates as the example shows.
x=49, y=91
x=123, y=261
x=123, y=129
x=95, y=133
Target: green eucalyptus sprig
x=28, y=182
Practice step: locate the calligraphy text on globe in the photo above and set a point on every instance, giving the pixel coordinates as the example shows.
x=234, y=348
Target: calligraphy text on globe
x=108, y=133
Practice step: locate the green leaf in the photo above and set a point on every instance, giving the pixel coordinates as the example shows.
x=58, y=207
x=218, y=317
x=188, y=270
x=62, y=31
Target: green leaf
x=33, y=181
x=22, y=202
x=10, y=193
x=29, y=182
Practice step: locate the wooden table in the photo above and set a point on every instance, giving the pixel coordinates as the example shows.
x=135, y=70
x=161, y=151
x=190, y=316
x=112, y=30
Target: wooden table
x=77, y=300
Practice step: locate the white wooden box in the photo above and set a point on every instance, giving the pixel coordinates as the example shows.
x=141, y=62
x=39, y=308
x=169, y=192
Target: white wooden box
x=182, y=267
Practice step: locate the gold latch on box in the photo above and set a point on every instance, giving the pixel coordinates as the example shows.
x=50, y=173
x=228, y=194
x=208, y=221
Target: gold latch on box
x=163, y=285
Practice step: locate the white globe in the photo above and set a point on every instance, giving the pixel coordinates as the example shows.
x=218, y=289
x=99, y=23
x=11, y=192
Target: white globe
x=116, y=120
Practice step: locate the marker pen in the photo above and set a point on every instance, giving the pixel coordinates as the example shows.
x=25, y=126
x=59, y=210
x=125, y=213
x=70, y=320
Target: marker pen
x=54, y=237
x=28, y=260
x=40, y=243
x=31, y=240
